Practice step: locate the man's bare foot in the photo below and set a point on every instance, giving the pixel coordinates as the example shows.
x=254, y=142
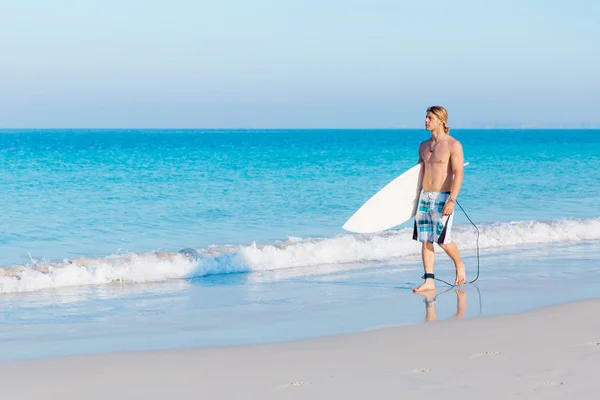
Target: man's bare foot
x=429, y=284
x=461, y=277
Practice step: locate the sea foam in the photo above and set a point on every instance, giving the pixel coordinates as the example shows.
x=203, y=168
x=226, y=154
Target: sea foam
x=291, y=253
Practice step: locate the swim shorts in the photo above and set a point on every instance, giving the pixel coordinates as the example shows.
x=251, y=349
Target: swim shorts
x=430, y=224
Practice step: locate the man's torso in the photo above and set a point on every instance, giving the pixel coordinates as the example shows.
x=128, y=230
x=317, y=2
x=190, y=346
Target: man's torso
x=437, y=176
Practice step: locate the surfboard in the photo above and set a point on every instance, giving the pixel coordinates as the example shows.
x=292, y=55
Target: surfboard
x=391, y=206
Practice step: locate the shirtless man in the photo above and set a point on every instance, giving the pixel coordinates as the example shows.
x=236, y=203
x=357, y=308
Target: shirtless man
x=443, y=160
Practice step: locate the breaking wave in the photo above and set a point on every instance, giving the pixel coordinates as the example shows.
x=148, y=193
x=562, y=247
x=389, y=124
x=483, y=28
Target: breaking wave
x=293, y=252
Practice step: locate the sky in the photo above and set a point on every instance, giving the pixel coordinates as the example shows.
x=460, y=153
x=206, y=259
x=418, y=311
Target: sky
x=298, y=63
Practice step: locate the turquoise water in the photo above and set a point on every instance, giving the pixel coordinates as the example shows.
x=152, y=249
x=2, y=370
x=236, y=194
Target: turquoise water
x=96, y=193
x=86, y=213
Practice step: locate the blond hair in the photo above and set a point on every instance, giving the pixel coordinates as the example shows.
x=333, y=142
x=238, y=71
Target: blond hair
x=442, y=115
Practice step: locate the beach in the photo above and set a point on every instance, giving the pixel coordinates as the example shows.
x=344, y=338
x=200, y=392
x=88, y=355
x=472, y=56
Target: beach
x=549, y=353
x=245, y=200
x=201, y=263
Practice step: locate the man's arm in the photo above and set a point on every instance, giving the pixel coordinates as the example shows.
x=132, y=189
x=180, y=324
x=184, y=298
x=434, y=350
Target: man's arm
x=420, y=157
x=457, y=161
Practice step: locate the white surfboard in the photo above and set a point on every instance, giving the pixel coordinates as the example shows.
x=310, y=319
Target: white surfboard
x=393, y=205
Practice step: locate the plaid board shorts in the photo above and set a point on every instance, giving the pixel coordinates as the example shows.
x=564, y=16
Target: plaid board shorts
x=430, y=224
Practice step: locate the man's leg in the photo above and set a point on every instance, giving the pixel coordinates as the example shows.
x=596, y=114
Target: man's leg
x=452, y=250
x=428, y=255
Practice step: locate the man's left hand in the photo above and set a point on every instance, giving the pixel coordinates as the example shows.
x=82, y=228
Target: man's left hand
x=448, y=208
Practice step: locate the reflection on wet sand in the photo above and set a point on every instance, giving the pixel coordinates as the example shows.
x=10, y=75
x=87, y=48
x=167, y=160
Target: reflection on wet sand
x=430, y=310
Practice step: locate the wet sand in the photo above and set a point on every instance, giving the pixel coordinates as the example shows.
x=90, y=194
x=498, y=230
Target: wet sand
x=547, y=353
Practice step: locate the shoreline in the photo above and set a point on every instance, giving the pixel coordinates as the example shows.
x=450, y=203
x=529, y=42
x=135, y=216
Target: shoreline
x=550, y=351
x=281, y=311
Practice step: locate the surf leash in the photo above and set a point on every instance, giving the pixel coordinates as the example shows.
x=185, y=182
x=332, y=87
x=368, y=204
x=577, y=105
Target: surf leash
x=477, y=229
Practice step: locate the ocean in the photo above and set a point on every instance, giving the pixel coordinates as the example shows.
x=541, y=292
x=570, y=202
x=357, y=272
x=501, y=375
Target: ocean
x=93, y=222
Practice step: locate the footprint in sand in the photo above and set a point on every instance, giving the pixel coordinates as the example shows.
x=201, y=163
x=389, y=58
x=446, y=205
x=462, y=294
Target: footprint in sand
x=419, y=370
x=587, y=344
x=595, y=349
x=485, y=354
x=413, y=371
x=299, y=383
x=534, y=387
x=293, y=384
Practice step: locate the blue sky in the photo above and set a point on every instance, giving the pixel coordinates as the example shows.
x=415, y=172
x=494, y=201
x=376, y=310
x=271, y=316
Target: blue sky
x=298, y=64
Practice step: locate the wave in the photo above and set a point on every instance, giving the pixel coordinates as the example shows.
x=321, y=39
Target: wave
x=291, y=253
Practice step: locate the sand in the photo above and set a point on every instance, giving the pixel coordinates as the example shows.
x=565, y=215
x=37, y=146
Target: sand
x=550, y=353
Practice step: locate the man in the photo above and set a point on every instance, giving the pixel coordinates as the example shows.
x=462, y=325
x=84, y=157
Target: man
x=443, y=160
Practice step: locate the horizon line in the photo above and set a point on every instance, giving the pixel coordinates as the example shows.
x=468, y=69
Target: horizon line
x=297, y=129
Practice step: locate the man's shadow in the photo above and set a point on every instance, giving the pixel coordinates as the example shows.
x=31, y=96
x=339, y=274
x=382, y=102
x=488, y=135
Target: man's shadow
x=430, y=299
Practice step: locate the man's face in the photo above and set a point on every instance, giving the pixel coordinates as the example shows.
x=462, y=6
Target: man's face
x=432, y=122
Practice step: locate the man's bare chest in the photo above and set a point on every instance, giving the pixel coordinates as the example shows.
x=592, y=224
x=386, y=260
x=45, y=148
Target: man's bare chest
x=436, y=157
